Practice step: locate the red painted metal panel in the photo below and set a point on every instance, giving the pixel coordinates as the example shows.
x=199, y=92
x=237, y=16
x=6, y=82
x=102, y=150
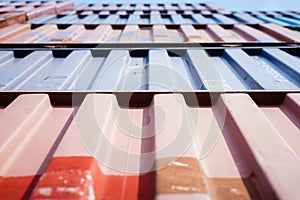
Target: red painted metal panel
x=159, y=124
x=233, y=149
x=29, y=129
x=13, y=31
x=281, y=32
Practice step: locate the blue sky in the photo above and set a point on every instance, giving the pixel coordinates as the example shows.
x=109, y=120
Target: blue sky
x=283, y=5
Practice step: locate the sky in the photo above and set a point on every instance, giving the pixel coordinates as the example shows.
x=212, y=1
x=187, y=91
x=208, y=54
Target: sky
x=232, y=5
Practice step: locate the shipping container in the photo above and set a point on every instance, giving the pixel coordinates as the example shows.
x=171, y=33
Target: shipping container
x=148, y=101
x=237, y=147
x=158, y=33
x=280, y=18
x=139, y=17
x=148, y=6
x=151, y=69
x=168, y=17
x=12, y=12
x=130, y=13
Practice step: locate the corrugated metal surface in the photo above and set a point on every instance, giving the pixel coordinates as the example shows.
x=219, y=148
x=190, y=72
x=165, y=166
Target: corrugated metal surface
x=138, y=17
x=121, y=101
x=191, y=13
x=281, y=18
x=235, y=148
x=10, y=18
x=170, y=17
x=151, y=69
x=12, y=12
x=148, y=6
x=238, y=33
x=96, y=33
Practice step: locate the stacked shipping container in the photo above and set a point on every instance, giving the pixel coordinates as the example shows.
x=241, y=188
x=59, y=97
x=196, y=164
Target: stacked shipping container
x=148, y=101
x=86, y=33
x=18, y=11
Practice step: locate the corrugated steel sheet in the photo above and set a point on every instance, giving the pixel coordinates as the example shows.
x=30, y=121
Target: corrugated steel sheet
x=121, y=101
x=137, y=14
x=281, y=18
x=145, y=17
x=168, y=17
x=148, y=6
x=235, y=148
x=139, y=17
x=10, y=18
x=95, y=33
x=191, y=13
x=19, y=11
x=151, y=69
